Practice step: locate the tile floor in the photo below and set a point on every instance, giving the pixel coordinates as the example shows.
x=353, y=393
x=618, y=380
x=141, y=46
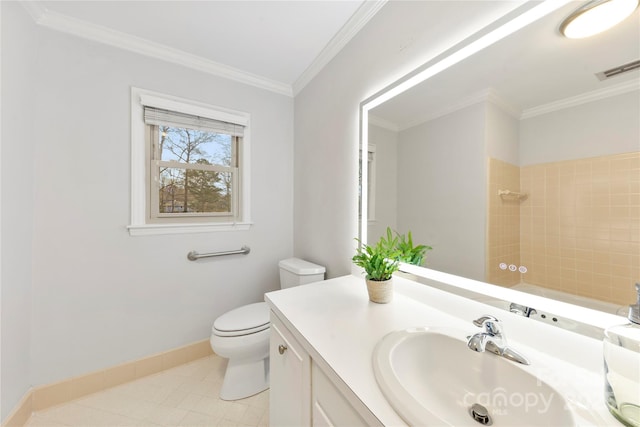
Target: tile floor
x=186, y=395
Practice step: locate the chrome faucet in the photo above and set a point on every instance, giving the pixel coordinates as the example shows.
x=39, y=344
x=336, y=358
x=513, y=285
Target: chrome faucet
x=522, y=310
x=493, y=340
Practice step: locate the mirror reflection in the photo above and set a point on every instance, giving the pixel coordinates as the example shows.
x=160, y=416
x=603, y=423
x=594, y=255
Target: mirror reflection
x=520, y=165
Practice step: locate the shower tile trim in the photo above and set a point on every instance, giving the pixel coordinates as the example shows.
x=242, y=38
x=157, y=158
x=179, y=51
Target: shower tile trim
x=45, y=396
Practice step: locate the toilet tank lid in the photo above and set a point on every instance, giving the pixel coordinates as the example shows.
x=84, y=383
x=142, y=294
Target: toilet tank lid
x=301, y=267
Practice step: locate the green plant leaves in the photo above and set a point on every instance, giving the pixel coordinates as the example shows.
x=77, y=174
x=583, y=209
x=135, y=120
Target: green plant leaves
x=408, y=253
x=381, y=260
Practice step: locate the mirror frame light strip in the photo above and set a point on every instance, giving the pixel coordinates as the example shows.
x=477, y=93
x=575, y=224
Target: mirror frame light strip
x=498, y=30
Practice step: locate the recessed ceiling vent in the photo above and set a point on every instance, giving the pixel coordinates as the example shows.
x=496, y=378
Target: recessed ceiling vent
x=603, y=75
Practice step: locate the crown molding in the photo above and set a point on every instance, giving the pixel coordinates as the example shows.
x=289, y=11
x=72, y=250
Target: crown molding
x=383, y=123
x=584, y=98
x=487, y=95
x=490, y=95
x=66, y=24
x=365, y=12
x=503, y=104
x=35, y=10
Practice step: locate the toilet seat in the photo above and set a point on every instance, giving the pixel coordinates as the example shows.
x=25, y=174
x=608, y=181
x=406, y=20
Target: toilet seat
x=244, y=320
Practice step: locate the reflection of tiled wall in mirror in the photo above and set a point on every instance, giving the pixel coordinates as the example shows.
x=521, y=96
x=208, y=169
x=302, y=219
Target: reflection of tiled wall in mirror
x=503, y=242
x=576, y=231
x=580, y=226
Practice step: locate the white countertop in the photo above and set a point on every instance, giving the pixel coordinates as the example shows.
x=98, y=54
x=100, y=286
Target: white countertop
x=338, y=325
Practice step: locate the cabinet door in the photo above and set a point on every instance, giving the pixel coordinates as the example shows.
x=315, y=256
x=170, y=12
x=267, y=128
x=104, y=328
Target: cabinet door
x=290, y=376
x=330, y=407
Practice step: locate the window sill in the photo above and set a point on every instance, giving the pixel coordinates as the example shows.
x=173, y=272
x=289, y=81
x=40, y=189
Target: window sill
x=156, y=229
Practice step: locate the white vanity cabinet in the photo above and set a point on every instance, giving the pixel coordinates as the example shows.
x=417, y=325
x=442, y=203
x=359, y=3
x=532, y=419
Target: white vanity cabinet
x=329, y=407
x=290, y=379
x=326, y=377
x=302, y=394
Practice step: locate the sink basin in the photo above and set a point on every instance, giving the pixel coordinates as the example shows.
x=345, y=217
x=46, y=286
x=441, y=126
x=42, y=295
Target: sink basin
x=430, y=377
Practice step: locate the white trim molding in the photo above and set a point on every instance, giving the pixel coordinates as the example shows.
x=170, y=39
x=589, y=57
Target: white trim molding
x=487, y=95
x=584, y=98
x=383, y=123
x=490, y=95
x=66, y=24
x=155, y=229
x=365, y=12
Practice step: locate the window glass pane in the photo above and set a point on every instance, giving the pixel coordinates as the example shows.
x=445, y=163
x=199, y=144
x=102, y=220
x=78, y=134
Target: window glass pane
x=193, y=191
x=194, y=146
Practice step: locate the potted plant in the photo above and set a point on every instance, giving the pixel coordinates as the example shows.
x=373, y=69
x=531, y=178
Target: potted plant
x=379, y=262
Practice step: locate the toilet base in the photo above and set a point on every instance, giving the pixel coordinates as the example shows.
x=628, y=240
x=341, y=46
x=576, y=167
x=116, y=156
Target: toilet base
x=245, y=378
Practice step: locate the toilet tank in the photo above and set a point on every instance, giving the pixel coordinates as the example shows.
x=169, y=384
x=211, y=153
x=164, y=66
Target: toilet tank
x=295, y=272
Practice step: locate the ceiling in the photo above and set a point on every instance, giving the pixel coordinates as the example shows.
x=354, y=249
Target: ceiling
x=275, y=44
x=531, y=71
x=281, y=45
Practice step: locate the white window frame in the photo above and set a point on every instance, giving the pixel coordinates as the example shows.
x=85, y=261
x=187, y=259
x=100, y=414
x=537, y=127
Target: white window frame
x=371, y=183
x=140, y=224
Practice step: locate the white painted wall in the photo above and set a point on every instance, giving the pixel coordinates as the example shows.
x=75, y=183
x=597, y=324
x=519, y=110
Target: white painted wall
x=96, y=296
x=442, y=190
x=402, y=36
x=441, y=182
x=18, y=102
x=599, y=128
x=502, y=136
x=99, y=296
x=386, y=143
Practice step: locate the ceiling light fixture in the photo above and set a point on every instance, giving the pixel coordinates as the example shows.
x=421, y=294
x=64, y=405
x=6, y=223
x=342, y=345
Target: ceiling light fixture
x=597, y=16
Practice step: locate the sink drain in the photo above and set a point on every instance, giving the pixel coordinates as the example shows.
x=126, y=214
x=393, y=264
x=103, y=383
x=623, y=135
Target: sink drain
x=480, y=414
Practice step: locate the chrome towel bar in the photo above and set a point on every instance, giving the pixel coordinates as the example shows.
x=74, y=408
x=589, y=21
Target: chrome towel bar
x=194, y=256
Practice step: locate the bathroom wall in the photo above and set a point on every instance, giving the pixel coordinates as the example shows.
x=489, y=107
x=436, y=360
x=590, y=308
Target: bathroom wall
x=589, y=245
x=503, y=223
x=599, y=128
x=578, y=229
x=502, y=134
x=99, y=296
x=402, y=36
x=386, y=181
x=17, y=168
x=580, y=226
x=440, y=208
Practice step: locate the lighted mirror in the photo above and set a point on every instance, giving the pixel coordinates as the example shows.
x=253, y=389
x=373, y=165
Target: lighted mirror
x=519, y=165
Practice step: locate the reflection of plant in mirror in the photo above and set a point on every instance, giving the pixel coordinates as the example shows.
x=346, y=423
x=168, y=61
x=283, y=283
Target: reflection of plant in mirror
x=408, y=253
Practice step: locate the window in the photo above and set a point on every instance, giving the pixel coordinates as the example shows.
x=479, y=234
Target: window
x=189, y=166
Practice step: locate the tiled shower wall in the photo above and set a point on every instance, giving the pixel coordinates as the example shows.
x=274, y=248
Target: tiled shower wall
x=579, y=226
x=504, y=223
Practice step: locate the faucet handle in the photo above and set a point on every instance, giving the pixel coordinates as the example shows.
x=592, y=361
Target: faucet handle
x=490, y=324
x=479, y=322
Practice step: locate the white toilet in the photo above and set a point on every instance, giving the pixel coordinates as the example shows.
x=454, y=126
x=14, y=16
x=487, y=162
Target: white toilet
x=242, y=335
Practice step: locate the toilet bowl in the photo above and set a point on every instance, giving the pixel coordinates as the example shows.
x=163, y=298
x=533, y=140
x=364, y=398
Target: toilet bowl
x=242, y=335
